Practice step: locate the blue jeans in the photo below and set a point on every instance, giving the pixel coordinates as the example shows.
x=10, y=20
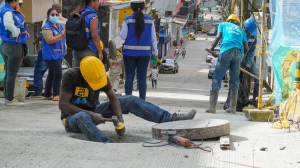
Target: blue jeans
x=230, y=59
x=141, y=63
x=54, y=77
x=253, y=69
x=82, y=122
x=39, y=71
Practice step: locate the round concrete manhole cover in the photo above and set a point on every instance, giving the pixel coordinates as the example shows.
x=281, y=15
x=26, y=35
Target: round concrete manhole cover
x=208, y=128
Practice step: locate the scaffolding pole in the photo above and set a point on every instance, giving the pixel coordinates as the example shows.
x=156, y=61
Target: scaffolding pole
x=261, y=82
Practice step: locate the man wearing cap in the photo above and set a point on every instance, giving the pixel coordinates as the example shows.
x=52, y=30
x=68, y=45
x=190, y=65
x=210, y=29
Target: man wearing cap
x=233, y=48
x=82, y=111
x=248, y=63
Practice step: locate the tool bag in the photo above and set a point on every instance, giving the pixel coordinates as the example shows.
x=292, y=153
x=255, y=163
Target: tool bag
x=76, y=33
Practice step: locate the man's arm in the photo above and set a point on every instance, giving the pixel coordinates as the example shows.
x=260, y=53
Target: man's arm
x=217, y=39
x=246, y=49
x=250, y=56
x=67, y=107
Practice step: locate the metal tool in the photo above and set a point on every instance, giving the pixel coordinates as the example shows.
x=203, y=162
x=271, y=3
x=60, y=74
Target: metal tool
x=118, y=125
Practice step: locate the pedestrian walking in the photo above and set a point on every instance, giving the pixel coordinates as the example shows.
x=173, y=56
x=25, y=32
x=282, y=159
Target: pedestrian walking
x=181, y=41
x=13, y=35
x=92, y=26
x=115, y=71
x=40, y=65
x=183, y=53
x=53, y=41
x=176, y=52
x=233, y=48
x=154, y=76
x=140, y=40
x=81, y=110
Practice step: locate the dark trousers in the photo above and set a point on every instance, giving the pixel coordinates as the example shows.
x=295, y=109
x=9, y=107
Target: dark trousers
x=141, y=63
x=154, y=82
x=12, y=54
x=39, y=71
x=54, y=77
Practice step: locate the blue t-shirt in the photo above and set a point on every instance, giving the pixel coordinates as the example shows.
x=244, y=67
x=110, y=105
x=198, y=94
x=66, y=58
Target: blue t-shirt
x=233, y=36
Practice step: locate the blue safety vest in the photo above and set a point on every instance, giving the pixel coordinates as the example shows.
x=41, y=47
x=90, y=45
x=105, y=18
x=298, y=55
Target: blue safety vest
x=134, y=46
x=88, y=18
x=6, y=34
x=57, y=50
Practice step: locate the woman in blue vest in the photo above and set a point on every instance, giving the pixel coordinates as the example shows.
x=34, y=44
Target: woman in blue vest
x=54, y=49
x=13, y=35
x=140, y=42
x=92, y=26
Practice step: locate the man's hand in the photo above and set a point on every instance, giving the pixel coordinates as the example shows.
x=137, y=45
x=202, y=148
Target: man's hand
x=100, y=55
x=247, y=69
x=97, y=118
x=120, y=132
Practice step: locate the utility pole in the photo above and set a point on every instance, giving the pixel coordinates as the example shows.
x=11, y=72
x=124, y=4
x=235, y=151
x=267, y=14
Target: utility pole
x=261, y=57
x=244, y=10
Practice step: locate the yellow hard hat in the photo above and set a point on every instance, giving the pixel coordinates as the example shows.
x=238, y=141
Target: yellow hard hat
x=101, y=44
x=93, y=71
x=234, y=17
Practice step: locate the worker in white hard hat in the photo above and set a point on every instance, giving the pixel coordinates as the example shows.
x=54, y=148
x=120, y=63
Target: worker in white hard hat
x=140, y=43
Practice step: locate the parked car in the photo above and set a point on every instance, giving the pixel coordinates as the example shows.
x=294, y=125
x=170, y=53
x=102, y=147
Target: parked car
x=168, y=65
x=212, y=32
x=212, y=68
x=27, y=71
x=209, y=57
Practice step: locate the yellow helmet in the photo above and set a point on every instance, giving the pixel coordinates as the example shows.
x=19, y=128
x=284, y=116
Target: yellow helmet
x=101, y=44
x=234, y=17
x=93, y=71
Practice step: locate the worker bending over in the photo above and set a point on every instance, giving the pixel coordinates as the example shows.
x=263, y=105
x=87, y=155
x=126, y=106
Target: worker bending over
x=233, y=48
x=80, y=106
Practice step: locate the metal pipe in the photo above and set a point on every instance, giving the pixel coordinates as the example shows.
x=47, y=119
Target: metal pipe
x=261, y=74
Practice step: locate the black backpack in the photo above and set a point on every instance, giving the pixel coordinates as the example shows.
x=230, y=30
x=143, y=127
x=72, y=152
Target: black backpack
x=75, y=32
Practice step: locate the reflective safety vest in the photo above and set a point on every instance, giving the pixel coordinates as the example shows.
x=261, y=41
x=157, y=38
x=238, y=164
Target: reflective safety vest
x=88, y=18
x=134, y=46
x=6, y=34
x=57, y=50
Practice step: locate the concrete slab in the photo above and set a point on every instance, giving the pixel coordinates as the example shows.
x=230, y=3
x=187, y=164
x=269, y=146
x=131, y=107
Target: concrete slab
x=259, y=115
x=208, y=128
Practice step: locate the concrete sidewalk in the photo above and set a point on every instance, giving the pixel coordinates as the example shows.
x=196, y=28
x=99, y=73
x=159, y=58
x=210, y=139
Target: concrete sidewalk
x=34, y=137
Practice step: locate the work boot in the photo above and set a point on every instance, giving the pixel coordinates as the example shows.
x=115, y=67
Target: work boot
x=255, y=94
x=186, y=116
x=36, y=95
x=233, y=101
x=213, y=100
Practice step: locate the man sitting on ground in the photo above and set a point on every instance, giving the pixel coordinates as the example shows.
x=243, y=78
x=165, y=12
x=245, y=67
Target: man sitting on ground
x=80, y=106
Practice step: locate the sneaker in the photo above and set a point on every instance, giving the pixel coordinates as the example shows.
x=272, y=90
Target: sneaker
x=186, y=116
x=14, y=102
x=36, y=95
x=48, y=98
x=56, y=98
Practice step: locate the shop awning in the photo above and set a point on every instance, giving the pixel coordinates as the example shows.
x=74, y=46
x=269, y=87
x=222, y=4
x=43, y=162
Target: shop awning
x=120, y=6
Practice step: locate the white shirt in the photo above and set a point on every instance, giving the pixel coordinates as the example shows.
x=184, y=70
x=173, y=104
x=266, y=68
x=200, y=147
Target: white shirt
x=124, y=33
x=9, y=24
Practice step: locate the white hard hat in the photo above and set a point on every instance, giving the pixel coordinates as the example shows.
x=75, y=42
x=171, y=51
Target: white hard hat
x=20, y=1
x=137, y=1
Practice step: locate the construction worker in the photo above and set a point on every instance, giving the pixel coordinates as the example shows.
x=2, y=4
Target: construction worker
x=233, y=48
x=80, y=106
x=248, y=63
x=140, y=42
x=13, y=35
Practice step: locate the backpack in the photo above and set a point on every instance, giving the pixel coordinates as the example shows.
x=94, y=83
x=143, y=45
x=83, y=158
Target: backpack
x=75, y=32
